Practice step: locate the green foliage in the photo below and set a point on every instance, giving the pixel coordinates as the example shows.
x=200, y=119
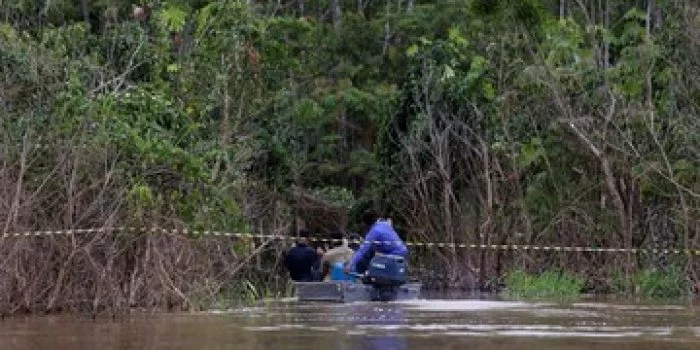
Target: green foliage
x=667, y=283
x=653, y=283
x=216, y=297
x=336, y=195
x=173, y=18
x=549, y=284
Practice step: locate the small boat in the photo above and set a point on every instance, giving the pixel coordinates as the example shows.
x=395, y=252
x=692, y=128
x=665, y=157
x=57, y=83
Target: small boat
x=350, y=291
x=385, y=280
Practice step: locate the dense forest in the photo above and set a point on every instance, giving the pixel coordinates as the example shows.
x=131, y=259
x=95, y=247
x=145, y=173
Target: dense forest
x=531, y=122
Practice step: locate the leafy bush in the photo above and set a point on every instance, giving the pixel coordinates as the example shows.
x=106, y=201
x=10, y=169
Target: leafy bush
x=667, y=283
x=652, y=283
x=336, y=195
x=549, y=284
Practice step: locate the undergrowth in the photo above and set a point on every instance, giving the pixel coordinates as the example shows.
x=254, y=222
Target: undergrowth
x=653, y=283
x=549, y=284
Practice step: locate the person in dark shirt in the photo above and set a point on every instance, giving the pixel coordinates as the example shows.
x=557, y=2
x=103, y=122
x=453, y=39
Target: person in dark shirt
x=302, y=260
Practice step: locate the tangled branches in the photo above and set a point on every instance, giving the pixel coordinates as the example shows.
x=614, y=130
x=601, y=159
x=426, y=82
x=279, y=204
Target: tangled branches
x=113, y=272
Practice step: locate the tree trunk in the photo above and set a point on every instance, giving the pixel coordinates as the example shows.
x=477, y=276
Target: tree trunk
x=650, y=15
x=85, y=8
x=337, y=13
x=606, y=43
x=611, y=182
x=618, y=202
x=562, y=9
x=486, y=227
x=387, y=31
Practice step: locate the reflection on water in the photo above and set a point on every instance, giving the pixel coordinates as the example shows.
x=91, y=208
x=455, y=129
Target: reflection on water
x=423, y=324
x=376, y=318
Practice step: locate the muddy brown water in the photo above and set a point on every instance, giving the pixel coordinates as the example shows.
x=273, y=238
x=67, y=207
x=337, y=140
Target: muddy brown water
x=422, y=324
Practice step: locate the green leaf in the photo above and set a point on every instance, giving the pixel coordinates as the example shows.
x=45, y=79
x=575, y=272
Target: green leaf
x=476, y=70
x=639, y=170
x=8, y=31
x=448, y=73
x=478, y=63
x=204, y=14
x=685, y=171
x=173, y=18
x=635, y=14
x=489, y=90
x=498, y=146
x=412, y=50
x=456, y=37
x=173, y=67
x=530, y=152
x=682, y=165
x=308, y=112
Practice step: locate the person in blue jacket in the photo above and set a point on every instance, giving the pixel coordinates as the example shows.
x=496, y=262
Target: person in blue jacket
x=381, y=231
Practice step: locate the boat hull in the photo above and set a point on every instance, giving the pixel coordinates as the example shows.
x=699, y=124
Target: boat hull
x=348, y=292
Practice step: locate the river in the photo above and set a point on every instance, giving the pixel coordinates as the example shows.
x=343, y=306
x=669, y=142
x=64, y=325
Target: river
x=422, y=324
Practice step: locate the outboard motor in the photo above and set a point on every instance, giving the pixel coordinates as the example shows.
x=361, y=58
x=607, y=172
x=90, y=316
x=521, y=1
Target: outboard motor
x=386, y=273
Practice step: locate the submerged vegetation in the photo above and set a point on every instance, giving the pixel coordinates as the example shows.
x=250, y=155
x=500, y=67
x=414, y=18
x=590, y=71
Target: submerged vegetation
x=649, y=283
x=666, y=283
x=548, y=284
x=533, y=122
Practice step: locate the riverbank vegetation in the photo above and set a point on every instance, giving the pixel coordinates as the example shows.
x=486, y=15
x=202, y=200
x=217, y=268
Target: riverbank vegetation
x=548, y=285
x=649, y=283
x=545, y=123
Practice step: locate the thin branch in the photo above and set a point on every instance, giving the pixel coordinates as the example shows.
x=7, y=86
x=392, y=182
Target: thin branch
x=592, y=147
x=121, y=78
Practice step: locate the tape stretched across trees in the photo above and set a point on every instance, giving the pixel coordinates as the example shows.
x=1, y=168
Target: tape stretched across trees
x=205, y=233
